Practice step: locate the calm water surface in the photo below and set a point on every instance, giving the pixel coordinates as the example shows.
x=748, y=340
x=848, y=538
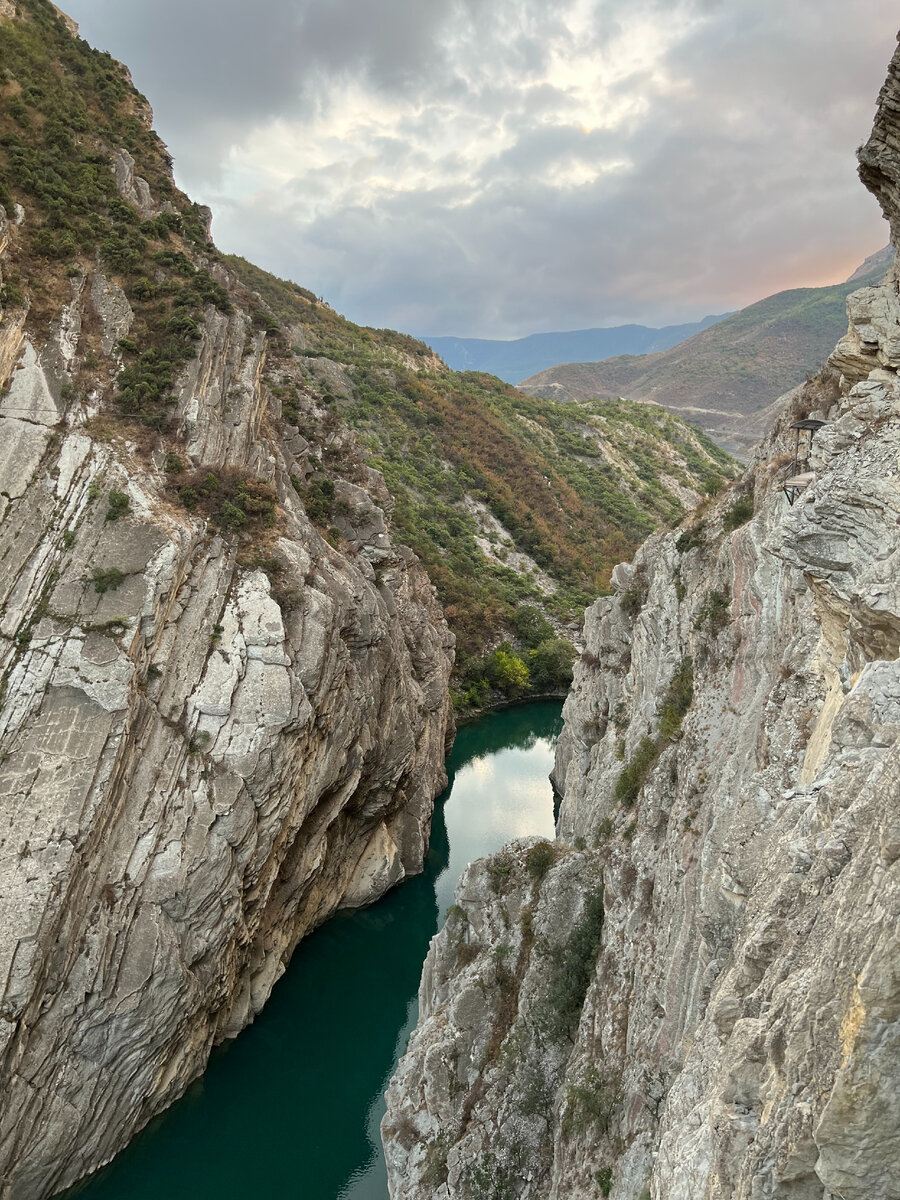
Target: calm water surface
x=291, y=1108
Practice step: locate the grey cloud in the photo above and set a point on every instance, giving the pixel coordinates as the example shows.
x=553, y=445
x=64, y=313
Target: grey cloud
x=546, y=144
x=740, y=182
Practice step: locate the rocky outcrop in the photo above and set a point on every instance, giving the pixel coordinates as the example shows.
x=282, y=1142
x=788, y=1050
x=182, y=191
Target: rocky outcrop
x=695, y=993
x=209, y=740
x=131, y=186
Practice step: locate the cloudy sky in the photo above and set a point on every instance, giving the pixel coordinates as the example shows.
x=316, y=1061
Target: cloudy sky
x=495, y=168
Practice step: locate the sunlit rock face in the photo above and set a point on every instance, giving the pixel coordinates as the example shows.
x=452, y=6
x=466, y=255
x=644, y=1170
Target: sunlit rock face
x=730, y=770
x=208, y=741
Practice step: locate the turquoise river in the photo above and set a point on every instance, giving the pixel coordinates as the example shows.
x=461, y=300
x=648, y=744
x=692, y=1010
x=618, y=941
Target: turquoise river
x=290, y=1109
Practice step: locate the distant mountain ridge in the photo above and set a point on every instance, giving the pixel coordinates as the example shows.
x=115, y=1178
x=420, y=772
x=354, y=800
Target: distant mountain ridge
x=519, y=358
x=723, y=378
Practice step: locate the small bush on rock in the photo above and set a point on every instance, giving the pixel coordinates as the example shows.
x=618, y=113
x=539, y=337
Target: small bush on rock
x=714, y=611
x=592, y=1105
x=119, y=504
x=573, y=968
x=539, y=860
x=106, y=579
x=739, y=514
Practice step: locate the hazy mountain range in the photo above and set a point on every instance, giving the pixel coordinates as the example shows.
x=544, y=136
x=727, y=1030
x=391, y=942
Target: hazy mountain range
x=515, y=360
x=724, y=377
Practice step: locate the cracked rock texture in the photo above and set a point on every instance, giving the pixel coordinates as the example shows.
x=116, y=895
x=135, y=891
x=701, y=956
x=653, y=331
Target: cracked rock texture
x=200, y=761
x=730, y=770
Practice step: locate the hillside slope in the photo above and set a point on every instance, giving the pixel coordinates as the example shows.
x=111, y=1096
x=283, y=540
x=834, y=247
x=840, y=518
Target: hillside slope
x=519, y=358
x=504, y=498
x=692, y=994
x=722, y=379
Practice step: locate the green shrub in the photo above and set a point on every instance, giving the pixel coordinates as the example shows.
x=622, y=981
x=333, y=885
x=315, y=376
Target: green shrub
x=550, y=664
x=604, y=830
x=631, y=602
x=318, y=498
x=676, y=700
x=232, y=499
x=106, y=579
x=603, y=1178
x=689, y=538
x=119, y=504
x=199, y=741
x=500, y=869
x=739, y=513
x=572, y=968
x=143, y=289
x=434, y=1170
x=490, y=1179
x=182, y=325
x=532, y=627
x=634, y=774
x=539, y=860
x=10, y=293
x=231, y=516
x=507, y=671
x=714, y=612
x=534, y=1092
x=592, y=1105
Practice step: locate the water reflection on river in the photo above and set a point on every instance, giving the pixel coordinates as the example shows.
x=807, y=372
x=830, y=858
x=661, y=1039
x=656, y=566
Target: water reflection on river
x=291, y=1108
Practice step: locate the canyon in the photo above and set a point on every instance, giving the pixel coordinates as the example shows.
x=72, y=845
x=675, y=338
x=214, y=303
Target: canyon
x=238, y=535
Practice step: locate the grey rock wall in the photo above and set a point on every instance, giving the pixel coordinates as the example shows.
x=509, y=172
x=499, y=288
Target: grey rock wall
x=198, y=763
x=737, y=1036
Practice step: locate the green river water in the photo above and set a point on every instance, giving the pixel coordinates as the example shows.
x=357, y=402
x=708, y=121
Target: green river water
x=290, y=1109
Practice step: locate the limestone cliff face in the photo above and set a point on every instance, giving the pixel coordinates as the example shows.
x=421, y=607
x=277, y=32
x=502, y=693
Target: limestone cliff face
x=209, y=740
x=695, y=995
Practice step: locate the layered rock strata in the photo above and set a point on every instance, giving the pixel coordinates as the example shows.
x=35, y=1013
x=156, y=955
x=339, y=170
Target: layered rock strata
x=694, y=993
x=209, y=741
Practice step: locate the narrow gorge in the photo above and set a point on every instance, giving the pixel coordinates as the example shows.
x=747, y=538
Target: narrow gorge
x=693, y=992
x=256, y=560
x=231, y=523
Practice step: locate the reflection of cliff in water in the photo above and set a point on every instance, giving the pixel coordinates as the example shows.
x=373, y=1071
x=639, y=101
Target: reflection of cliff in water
x=523, y=725
x=291, y=1108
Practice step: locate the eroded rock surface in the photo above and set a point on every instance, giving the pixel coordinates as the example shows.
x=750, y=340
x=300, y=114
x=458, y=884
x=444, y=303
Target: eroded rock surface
x=730, y=767
x=208, y=741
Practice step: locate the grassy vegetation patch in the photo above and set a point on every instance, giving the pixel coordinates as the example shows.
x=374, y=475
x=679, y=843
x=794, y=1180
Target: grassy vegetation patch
x=673, y=708
x=714, y=612
x=232, y=499
x=738, y=514
x=572, y=967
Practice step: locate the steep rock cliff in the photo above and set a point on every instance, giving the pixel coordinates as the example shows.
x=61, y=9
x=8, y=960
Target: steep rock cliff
x=694, y=993
x=217, y=726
